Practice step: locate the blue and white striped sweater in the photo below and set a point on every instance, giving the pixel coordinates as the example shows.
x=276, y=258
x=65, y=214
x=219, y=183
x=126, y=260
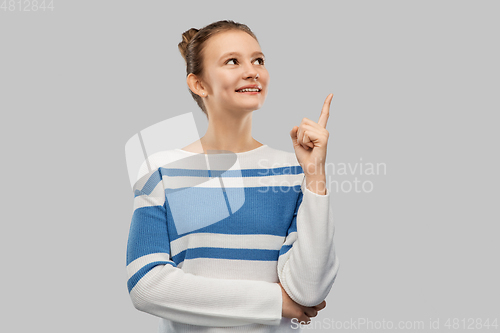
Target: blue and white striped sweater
x=212, y=234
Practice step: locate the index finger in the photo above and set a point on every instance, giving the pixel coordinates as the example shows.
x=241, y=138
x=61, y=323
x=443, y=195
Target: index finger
x=325, y=111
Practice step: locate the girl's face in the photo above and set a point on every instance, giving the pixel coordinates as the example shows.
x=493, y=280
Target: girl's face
x=232, y=60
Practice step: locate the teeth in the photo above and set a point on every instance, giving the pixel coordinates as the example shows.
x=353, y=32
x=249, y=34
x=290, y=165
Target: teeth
x=248, y=89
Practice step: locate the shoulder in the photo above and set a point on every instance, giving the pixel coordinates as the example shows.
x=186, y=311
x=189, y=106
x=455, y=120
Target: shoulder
x=155, y=162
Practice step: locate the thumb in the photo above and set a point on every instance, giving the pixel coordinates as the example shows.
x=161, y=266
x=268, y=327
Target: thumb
x=293, y=134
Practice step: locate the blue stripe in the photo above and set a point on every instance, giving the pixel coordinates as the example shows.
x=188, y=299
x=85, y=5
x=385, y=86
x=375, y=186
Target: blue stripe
x=266, y=210
x=173, y=172
x=140, y=273
x=284, y=249
x=225, y=253
x=293, y=225
x=148, y=233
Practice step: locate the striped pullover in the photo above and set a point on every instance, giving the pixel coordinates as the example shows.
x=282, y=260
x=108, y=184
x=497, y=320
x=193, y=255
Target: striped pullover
x=212, y=234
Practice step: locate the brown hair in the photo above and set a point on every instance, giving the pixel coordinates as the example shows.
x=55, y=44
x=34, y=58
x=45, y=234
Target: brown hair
x=193, y=44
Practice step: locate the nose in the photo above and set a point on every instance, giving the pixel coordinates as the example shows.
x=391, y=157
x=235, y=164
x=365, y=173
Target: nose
x=252, y=75
x=250, y=72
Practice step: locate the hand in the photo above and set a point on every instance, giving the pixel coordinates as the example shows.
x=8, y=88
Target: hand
x=310, y=140
x=291, y=309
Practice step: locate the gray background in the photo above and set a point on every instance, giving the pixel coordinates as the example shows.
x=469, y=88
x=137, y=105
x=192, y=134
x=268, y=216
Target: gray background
x=416, y=87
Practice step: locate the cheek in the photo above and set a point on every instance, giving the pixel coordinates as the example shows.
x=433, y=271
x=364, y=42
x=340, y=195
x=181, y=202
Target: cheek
x=265, y=78
x=227, y=84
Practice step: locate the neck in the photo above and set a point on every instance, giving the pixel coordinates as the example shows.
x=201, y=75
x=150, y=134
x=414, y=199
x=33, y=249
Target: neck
x=229, y=133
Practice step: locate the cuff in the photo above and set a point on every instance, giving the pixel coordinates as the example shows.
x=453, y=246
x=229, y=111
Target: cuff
x=316, y=194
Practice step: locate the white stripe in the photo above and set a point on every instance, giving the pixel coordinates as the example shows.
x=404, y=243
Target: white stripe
x=263, y=270
x=232, y=182
x=138, y=263
x=260, y=242
x=155, y=198
x=270, y=158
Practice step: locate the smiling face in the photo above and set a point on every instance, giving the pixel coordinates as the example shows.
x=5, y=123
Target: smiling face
x=224, y=73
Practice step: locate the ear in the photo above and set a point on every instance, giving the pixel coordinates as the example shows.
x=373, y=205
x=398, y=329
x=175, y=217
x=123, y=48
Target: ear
x=194, y=83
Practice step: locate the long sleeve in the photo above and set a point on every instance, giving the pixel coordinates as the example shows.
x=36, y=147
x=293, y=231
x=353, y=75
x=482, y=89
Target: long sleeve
x=308, y=264
x=157, y=286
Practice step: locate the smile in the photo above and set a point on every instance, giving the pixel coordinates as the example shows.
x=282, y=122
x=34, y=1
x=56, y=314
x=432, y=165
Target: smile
x=249, y=91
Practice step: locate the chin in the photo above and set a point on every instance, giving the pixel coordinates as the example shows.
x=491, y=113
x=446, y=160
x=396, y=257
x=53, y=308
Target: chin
x=254, y=107
x=247, y=106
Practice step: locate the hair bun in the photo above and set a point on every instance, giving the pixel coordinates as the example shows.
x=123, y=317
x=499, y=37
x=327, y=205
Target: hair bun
x=187, y=36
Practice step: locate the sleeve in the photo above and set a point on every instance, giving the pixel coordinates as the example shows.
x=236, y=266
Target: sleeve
x=158, y=287
x=307, y=263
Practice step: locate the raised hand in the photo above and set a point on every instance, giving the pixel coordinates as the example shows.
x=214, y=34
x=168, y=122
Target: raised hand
x=310, y=141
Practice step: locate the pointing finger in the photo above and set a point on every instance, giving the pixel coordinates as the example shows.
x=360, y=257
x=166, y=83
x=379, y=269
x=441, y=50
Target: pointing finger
x=325, y=111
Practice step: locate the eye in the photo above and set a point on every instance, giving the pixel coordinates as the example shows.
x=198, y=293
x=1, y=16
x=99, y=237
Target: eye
x=261, y=60
x=236, y=60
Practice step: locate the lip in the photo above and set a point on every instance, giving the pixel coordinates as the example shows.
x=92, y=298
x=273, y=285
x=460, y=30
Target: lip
x=251, y=86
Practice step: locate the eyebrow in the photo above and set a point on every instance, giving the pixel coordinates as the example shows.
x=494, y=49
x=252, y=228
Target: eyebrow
x=236, y=53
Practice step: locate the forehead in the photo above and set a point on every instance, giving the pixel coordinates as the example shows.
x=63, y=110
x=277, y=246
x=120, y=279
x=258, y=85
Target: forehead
x=230, y=41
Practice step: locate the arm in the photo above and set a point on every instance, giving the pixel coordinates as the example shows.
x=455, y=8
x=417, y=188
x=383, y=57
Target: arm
x=157, y=286
x=308, y=264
